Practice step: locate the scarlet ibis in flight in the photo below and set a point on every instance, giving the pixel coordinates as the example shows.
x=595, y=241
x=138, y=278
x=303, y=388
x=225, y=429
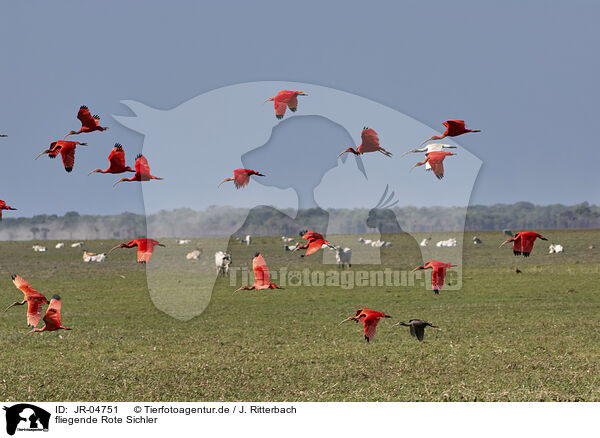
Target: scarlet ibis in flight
x=89, y=123
x=3, y=206
x=66, y=149
x=33, y=298
x=116, y=158
x=438, y=273
x=241, y=177
x=453, y=128
x=523, y=242
x=142, y=171
x=436, y=161
x=285, y=99
x=315, y=242
x=145, y=247
x=417, y=327
x=262, y=279
x=52, y=317
x=370, y=319
x=370, y=143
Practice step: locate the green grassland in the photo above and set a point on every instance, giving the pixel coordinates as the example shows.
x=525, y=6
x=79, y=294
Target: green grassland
x=533, y=336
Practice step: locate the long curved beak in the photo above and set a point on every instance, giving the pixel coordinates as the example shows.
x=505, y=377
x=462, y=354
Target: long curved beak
x=93, y=171
x=269, y=99
x=117, y=182
x=407, y=152
x=341, y=154
x=225, y=180
x=347, y=319
x=112, y=249
x=45, y=152
x=411, y=169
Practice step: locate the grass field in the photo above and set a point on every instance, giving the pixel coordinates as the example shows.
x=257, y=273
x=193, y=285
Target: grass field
x=506, y=337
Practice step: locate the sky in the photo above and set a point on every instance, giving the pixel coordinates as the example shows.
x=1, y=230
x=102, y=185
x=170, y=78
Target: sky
x=523, y=72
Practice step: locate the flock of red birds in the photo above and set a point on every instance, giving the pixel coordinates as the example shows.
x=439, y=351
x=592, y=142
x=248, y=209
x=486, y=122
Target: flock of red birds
x=117, y=164
x=369, y=140
x=522, y=242
x=285, y=99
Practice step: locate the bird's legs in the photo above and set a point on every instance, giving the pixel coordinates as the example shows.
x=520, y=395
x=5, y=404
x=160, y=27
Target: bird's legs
x=384, y=152
x=16, y=303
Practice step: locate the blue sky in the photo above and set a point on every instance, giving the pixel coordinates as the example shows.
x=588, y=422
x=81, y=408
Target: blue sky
x=524, y=73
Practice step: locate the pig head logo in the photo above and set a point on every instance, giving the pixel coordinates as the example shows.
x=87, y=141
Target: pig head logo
x=198, y=143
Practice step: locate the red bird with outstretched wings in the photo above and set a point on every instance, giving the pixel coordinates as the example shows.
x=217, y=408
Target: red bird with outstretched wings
x=142, y=171
x=116, y=158
x=438, y=273
x=89, y=123
x=262, y=279
x=52, y=317
x=315, y=242
x=370, y=319
x=66, y=149
x=453, y=129
x=3, y=206
x=436, y=161
x=241, y=177
x=145, y=248
x=370, y=143
x=523, y=242
x=285, y=99
x=33, y=298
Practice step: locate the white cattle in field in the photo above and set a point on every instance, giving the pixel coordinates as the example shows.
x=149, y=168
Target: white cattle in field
x=387, y=243
x=60, y=245
x=77, y=245
x=343, y=256
x=248, y=240
x=222, y=262
x=448, y=243
x=184, y=242
x=290, y=247
x=38, y=248
x=287, y=239
x=477, y=240
x=367, y=241
x=93, y=257
x=425, y=242
x=555, y=249
x=194, y=255
x=377, y=243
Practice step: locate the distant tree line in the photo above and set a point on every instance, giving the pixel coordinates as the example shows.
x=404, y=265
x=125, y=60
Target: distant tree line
x=219, y=221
